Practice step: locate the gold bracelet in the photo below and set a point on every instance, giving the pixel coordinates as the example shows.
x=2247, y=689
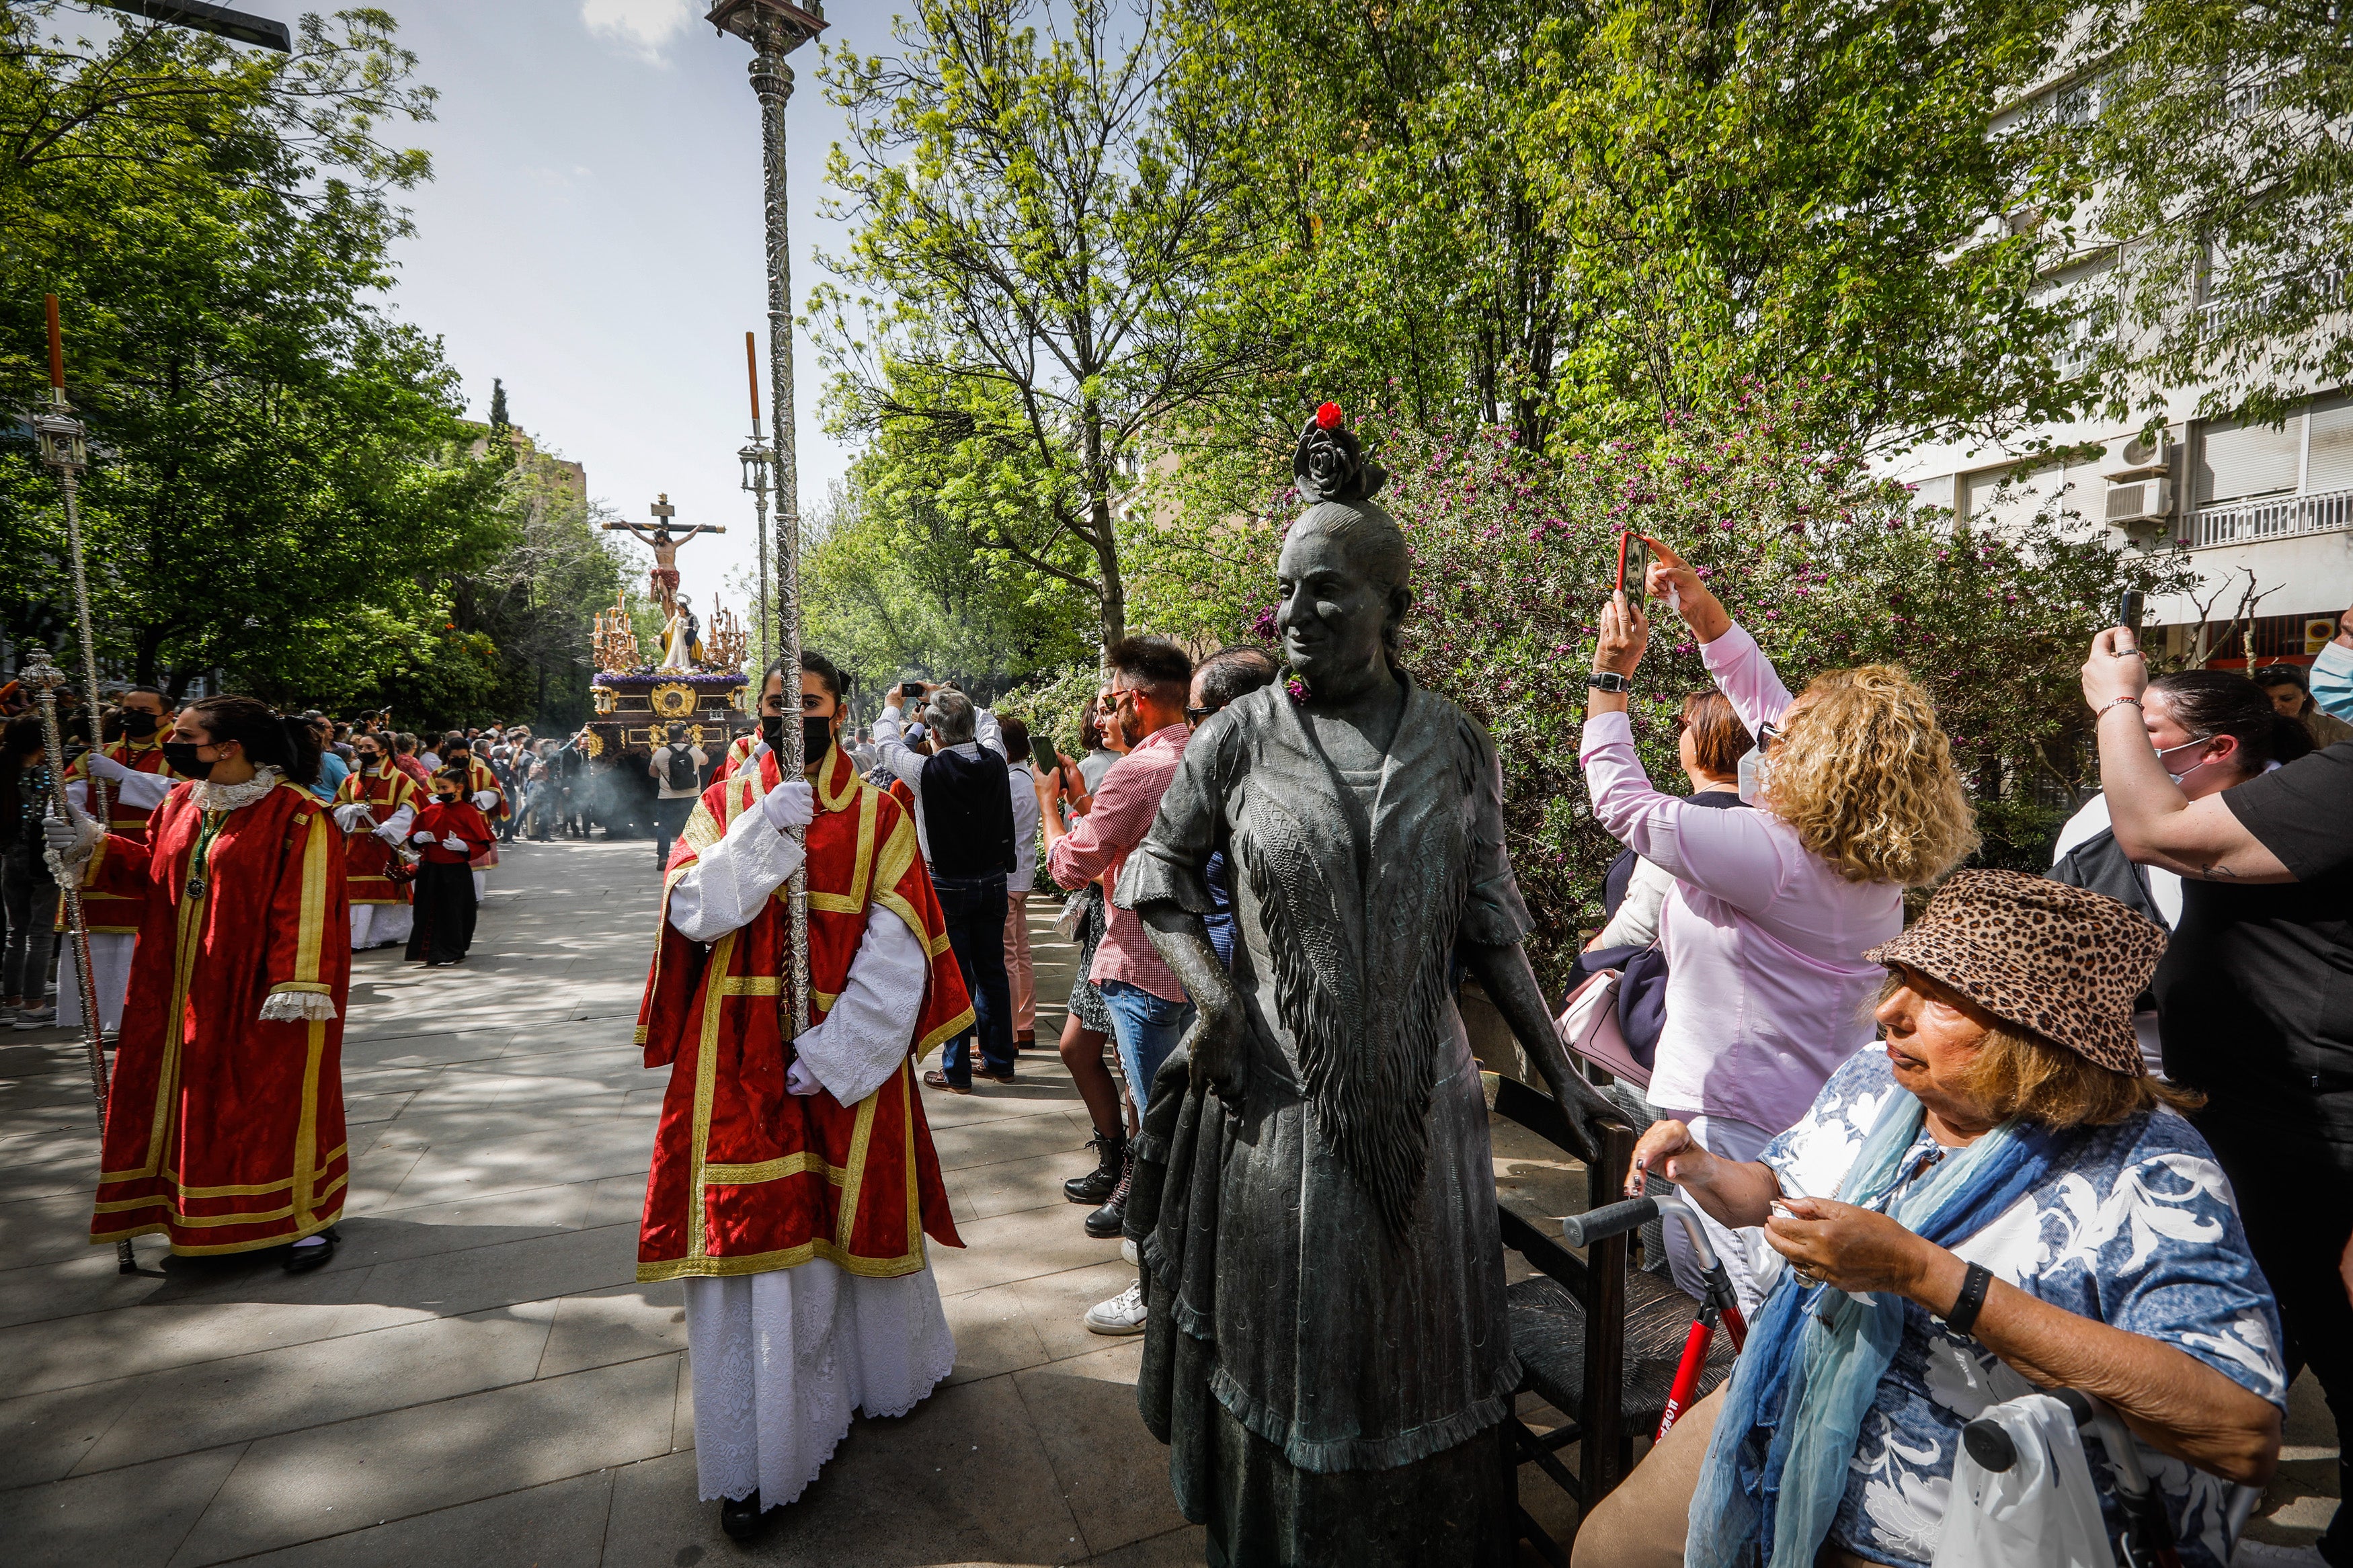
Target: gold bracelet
x=2114, y=702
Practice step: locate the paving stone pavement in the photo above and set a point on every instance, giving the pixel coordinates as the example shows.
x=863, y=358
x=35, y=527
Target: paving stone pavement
x=478, y=1379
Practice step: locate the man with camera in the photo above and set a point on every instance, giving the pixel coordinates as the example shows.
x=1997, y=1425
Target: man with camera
x=964, y=822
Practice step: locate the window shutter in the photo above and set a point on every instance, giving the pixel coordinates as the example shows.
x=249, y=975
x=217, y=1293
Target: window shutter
x=2330, y=464
x=2236, y=461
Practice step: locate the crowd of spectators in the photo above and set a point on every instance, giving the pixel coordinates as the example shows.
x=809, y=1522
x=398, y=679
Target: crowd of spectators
x=2163, y=1019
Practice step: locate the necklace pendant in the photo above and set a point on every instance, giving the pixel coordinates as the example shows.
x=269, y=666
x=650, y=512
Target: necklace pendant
x=196, y=887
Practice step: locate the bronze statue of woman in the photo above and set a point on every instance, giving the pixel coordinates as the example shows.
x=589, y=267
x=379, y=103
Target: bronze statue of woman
x=1326, y=1351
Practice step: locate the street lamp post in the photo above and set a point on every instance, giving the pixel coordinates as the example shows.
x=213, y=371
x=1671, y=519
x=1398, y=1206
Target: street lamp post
x=774, y=28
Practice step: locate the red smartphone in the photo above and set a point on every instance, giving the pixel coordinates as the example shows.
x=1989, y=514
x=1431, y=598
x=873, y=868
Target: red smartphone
x=1622, y=535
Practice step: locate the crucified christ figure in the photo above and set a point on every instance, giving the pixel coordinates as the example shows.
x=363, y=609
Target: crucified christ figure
x=664, y=544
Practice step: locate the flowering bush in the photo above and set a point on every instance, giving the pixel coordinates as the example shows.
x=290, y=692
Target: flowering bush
x=1826, y=565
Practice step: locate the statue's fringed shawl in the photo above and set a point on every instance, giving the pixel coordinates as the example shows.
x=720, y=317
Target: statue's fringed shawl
x=1360, y=1151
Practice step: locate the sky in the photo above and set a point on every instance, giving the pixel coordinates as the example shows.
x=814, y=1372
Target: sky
x=593, y=235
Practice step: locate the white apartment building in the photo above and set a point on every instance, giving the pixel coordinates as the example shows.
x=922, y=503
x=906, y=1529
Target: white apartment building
x=2265, y=513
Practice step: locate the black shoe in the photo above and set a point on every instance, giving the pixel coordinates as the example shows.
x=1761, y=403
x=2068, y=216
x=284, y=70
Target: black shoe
x=1111, y=1156
x=303, y=1259
x=1112, y=1218
x=741, y=1517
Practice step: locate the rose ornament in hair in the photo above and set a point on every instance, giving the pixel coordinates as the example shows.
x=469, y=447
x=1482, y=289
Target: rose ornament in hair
x=1330, y=465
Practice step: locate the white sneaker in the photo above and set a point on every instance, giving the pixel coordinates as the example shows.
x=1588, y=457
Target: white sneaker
x=36, y=1018
x=2263, y=1555
x=1122, y=1314
x=1127, y=1251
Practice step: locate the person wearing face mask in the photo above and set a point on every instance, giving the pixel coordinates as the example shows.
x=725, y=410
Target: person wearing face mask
x=375, y=808
x=1765, y=933
x=794, y=1179
x=2330, y=679
x=2213, y=729
x=224, y=1128
x=482, y=791
x=448, y=834
x=2251, y=1000
x=137, y=777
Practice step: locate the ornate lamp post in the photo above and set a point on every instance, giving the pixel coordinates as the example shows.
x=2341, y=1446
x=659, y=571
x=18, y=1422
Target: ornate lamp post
x=774, y=28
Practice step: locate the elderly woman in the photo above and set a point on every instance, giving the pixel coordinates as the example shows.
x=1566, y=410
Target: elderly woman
x=1326, y=1351
x=1768, y=986
x=2012, y=1205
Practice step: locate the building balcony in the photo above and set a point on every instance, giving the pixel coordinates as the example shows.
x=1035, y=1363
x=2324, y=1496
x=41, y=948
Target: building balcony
x=2271, y=517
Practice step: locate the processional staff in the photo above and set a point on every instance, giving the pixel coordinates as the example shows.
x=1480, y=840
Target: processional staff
x=774, y=28
x=65, y=451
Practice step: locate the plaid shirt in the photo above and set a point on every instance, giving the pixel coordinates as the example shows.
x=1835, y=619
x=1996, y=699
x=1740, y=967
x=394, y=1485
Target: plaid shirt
x=1102, y=840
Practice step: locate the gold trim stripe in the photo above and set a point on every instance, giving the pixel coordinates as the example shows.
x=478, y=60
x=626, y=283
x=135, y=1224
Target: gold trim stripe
x=806, y=1163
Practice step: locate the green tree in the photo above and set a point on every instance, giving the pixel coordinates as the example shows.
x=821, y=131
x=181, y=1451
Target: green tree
x=1038, y=223
x=272, y=451
x=1575, y=221
x=2210, y=135
x=499, y=420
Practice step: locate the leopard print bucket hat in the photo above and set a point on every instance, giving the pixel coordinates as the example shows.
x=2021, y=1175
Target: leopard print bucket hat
x=2056, y=960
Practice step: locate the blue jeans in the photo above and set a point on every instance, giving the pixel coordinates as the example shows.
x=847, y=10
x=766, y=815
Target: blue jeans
x=1146, y=1028
x=974, y=908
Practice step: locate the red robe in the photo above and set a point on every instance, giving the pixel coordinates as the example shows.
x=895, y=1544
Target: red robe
x=479, y=777
x=106, y=912
x=225, y=1133
x=746, y=1177
x=366, y=857
x=462, y=820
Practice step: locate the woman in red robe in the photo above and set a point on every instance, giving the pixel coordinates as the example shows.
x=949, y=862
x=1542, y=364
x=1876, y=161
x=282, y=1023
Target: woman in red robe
x=224, y=1128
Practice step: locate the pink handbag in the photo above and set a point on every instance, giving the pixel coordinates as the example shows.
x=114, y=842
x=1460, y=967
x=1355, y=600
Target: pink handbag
x=1587, y=1027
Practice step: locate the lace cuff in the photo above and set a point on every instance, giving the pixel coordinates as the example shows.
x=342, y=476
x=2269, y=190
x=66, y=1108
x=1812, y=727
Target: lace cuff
x=298, y=1007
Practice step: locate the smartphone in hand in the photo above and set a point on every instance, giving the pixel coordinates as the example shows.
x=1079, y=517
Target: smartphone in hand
x=1042, y=755
x=2129, y=605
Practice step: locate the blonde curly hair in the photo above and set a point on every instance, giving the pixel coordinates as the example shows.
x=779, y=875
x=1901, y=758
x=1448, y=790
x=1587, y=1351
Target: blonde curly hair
x=1864, y=774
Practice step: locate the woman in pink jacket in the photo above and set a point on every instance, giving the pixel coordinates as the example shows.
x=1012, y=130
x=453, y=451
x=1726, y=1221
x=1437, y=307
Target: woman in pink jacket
x=1767, y=988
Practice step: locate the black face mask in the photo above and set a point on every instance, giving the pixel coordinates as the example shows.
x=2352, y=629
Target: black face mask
x=772, y=730
x=137, y=724
x=181, y=756
x=366, y=761
x=817, y=737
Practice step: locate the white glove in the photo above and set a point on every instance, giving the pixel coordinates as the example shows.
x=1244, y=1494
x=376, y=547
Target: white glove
x=73, y=842
x=351, y=817
x=106, y=767
x=790, y=805
x=798, y=1079
x=451, y=841
x=486, y=800
x=420, y=838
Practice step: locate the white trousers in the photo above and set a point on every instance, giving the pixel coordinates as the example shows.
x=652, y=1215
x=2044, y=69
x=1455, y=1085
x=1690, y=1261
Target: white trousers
x=1730, y=1140
x=110, y=960
x=482, y=882
x=781, y=1359
x=381, y=925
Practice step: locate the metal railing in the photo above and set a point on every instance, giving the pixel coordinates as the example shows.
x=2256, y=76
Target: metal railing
x=2272, y=517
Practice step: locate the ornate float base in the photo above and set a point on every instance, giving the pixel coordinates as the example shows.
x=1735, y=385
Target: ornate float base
x=712, y=707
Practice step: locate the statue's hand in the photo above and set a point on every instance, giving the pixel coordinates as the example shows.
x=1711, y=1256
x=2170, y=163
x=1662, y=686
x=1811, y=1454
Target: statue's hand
x=1588, y=1110
x=1217, y=1045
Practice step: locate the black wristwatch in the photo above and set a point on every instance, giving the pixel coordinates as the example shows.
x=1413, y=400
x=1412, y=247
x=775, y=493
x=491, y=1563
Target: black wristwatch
x=1975, y=1282
x=1609, y=681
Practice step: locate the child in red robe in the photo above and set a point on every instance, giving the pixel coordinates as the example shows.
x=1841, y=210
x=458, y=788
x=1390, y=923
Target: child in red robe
x=450, y=833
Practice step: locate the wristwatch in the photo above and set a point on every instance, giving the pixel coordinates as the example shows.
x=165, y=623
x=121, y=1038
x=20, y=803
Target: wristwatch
x=1609, y=681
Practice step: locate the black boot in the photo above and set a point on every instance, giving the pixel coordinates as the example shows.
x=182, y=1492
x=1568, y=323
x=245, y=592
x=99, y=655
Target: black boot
x=1108, y=1220
x=1111, y=1157
x=740, y=1516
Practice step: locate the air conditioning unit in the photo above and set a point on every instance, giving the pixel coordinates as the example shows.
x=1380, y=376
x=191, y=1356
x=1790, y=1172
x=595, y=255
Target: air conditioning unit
x=2142, y=500
x=2144, y=459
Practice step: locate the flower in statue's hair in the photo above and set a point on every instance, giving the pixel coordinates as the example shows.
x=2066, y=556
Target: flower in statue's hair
x=1330, y=465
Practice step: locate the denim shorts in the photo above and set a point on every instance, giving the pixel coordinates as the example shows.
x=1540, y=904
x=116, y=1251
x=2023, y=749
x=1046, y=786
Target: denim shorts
x=1146, y=1028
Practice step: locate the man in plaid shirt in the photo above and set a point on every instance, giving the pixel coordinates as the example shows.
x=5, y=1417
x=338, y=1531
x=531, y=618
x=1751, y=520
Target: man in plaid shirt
x=1150, y=679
